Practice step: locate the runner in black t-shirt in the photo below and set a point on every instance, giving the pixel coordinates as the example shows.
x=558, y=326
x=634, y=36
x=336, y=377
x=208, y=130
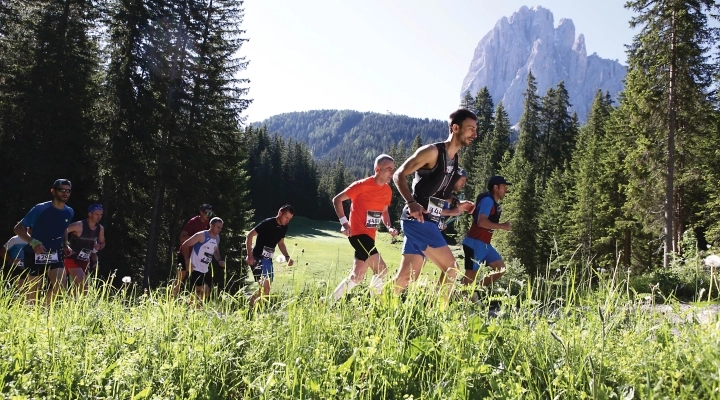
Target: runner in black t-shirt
x=270, y=233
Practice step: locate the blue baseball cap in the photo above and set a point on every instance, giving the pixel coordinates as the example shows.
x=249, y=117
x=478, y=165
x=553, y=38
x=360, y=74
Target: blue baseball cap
x=95, y=207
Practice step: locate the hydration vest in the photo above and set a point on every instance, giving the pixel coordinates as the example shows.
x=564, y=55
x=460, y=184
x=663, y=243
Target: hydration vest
x=484, y=234
x=84, y=244
x=434, y=181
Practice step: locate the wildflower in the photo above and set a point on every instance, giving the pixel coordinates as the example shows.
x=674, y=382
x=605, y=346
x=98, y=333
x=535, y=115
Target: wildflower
x=558, y=270
x=306, y=263
x=280, y=259
x=302, y=251
x=712, y=261
x=603, y=270
x=629, y=271
x=126, y=279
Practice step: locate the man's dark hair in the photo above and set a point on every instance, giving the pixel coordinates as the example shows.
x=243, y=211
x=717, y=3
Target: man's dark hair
x=287, y=208
x=461, y=115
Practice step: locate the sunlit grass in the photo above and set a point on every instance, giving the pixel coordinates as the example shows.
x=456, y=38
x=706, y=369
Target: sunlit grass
x=567, y=335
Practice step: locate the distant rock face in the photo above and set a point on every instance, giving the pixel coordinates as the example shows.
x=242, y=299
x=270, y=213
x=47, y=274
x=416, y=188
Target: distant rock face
x=529, y=41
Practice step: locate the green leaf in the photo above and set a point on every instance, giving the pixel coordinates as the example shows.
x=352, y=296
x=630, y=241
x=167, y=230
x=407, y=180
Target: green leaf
x=142, y=395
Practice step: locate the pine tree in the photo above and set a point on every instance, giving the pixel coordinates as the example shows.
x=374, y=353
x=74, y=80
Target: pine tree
x=521, y=203
x=668, y=83
x=586, y=171
x=177, y=104
x=49, y=75
x=467, y=101
x=475, y=156
x=557, y=132
x=554, y=238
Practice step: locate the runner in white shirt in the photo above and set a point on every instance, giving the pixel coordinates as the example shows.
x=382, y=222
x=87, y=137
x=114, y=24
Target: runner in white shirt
x=198, y=252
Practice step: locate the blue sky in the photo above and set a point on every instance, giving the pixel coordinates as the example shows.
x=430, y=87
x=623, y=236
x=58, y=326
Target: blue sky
x=401, y=56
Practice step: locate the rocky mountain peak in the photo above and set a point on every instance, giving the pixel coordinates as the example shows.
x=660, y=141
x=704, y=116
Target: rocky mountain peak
x=529, y=41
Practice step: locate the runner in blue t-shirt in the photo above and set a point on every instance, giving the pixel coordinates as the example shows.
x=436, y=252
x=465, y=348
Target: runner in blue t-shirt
x=486, y=219
x=48, y=245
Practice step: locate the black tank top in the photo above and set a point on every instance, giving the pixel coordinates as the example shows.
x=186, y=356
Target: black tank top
x=432, y=182
x=83, y=245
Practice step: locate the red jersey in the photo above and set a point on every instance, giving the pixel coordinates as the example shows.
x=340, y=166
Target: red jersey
x=368, y=202
x=195, y=225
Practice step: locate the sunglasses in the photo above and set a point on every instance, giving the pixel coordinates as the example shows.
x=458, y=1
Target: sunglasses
x=61, y=190
x=209, y=213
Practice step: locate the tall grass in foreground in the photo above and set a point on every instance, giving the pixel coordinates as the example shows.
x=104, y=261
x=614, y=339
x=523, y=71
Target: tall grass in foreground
x=559, y=337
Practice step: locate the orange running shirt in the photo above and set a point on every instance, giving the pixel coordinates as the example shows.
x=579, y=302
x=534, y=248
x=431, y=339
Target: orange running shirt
x=368, y=201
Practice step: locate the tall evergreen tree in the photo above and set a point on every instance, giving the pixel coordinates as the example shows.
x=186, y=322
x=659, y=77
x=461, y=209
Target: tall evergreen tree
x=49, y=81
x=668, y=84
x=473, y=156
x=491, y=153
x=586, y=172
x=557, y=134
x=521, y=203
x=177, y=106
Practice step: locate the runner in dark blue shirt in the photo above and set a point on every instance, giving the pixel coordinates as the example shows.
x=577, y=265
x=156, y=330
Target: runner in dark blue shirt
x=48, y=245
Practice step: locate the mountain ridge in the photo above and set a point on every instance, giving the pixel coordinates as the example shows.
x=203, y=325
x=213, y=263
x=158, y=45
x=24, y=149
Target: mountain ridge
x=529, y=41
x=355, y=137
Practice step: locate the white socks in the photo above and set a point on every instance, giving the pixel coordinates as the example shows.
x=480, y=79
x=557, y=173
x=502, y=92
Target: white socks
x=376, y=285
x=345, y=286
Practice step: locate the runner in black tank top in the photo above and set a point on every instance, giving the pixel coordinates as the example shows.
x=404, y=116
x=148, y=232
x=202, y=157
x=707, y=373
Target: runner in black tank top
x=85, y=237
x=433, y=166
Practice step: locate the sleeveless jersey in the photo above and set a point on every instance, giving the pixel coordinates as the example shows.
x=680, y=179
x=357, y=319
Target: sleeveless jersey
x=430, y=184
x=83, y=245
x=202, y=253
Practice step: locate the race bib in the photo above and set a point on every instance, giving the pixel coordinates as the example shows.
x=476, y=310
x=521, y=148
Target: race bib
x=47, y=258
x=84, y=255
x=373, y=219
x=442, y=225
x=206, y=259
x=435, y=207
x=268, y=252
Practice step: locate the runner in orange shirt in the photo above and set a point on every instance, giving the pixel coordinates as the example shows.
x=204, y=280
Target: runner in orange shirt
x=370, y=200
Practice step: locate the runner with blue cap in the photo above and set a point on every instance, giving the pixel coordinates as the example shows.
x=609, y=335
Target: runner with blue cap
x=86, y=238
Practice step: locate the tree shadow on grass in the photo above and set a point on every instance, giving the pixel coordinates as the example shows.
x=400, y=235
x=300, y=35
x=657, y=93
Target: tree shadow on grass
x=303, y=227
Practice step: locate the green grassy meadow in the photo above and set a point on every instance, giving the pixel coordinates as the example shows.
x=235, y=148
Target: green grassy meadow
x=570, y=336
x=323, y=254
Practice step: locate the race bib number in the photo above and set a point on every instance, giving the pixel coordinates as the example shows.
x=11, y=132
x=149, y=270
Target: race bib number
x=47, y=258
x=84, y=255
x=268, y=252
x=207, y=258
x=373, y=219
x=435, y=207
x=442, y=225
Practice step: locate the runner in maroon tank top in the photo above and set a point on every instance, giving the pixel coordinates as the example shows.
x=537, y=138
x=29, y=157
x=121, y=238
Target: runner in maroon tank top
x=85, y=237
x=196, y=224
